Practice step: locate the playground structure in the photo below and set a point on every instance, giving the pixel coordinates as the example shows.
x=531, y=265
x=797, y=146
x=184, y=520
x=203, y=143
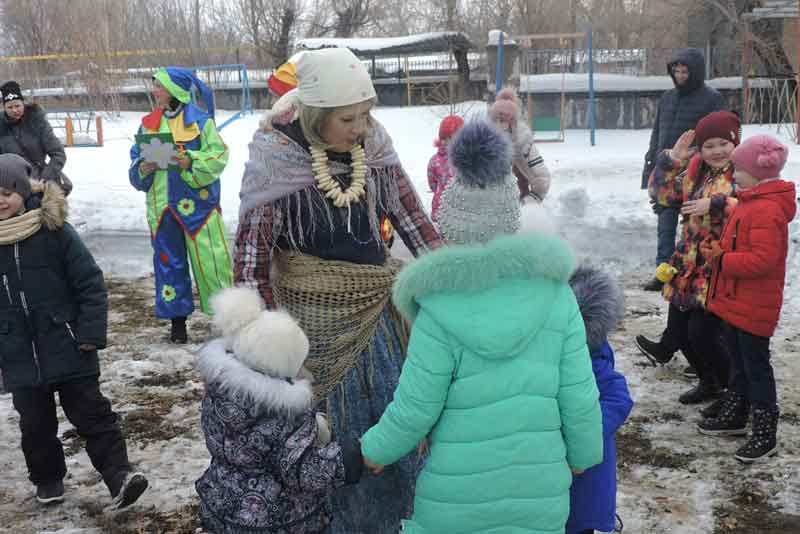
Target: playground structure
x=434, y=67
x=552, y=122
x=81, y=127
x=774, y=100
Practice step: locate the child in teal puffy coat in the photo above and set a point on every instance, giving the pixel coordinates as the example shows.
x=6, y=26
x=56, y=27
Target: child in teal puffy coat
x=497, y=375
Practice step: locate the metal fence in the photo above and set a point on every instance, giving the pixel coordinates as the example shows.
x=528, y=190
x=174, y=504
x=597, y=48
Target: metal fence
x=631, y=61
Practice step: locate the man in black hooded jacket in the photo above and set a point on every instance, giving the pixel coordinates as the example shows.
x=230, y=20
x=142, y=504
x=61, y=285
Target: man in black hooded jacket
x=679, y=110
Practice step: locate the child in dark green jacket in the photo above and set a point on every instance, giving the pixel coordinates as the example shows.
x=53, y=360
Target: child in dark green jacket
x=53, y=313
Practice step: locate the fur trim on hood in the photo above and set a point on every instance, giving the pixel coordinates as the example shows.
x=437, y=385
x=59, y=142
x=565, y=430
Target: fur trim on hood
x=472, y=267
x=601, y=302
x=53, y=203
x=216, y=365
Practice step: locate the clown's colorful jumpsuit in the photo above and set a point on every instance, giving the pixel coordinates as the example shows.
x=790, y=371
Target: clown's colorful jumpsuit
x=183, y=212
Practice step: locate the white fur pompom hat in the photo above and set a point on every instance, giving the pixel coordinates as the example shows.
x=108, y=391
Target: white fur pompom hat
x=273, y=344
x=235, y=307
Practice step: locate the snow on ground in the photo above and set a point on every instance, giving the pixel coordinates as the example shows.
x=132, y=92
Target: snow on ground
x=672, y=480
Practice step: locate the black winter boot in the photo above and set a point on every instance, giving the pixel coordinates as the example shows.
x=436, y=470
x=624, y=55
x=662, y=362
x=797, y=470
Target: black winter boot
x=657, y=353
x=731, y=420
x=713, y=410
x=700, y=393
x=51, y=492
x=763, y=441
x=177, y=333
x=126, y=489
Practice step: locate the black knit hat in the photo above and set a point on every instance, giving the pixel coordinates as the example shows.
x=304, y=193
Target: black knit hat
x=15, y=174
x=11, y=91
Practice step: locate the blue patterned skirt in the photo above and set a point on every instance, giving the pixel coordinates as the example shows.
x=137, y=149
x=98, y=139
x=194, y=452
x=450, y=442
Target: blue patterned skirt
x=377, y=503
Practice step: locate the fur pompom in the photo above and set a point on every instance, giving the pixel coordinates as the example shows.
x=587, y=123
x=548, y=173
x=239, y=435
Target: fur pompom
x=769, y=159
x=273, y=344
x=600, y=300
x=234, y=308
x=283, y=111
x=507, y=94
x=481, y=154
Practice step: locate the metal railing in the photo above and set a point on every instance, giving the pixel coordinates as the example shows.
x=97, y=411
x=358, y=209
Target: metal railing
x=632, y=62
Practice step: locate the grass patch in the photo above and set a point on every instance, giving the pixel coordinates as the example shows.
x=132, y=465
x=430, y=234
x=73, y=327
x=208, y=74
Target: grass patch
x=634, y=448
x=750, y=512
x=137, y=520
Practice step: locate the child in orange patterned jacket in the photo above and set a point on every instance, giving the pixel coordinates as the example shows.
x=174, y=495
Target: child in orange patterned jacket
x=705, y=185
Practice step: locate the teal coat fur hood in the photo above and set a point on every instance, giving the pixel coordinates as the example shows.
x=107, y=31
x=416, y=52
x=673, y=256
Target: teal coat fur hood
x=498, y=376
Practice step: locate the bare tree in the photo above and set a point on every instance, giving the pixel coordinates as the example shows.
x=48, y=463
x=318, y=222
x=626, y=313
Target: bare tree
x=351, y=16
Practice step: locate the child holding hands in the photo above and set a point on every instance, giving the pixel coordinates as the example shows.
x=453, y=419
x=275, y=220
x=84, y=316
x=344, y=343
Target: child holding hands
x=497, y=373
x=273, y=463
x=749, y=269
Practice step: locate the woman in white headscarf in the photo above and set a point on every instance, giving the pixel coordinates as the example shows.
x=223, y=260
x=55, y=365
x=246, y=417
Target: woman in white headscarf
x=319, y=192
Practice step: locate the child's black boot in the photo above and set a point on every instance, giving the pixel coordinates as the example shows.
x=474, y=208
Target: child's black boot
x=763, y=441
x=656, y=352
x=731, y=420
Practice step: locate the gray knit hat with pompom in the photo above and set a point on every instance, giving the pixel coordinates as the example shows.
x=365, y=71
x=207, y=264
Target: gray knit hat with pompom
x=482, y=200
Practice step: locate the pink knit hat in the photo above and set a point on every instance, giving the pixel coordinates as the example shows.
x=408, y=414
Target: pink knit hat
x=507, y=94
x=505, y=110
x=763, y=156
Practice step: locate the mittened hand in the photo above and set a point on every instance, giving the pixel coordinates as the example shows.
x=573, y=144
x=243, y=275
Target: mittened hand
x=665, y=272
x=372, y=466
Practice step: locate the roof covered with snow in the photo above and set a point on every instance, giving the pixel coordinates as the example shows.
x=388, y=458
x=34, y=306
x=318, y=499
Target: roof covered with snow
x=776, y=9
x=609, y=83
x=423, y=43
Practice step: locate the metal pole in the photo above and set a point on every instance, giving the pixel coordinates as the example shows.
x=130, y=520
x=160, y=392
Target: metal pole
x=408, y=82
x=590, y=58
x=797, y=78
x=746, y=72
x=498, y=73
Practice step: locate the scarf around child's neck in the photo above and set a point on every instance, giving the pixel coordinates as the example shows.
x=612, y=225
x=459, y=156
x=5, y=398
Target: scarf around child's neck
x=20, y=227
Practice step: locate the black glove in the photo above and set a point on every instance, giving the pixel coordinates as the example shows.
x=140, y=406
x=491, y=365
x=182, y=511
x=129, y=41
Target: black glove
x=648, y=168
x=352, y=459
x=657, y=208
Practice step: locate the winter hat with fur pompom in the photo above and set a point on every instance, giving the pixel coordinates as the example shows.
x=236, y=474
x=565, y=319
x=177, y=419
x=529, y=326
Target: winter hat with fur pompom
x=273, y=344
x=762, y=156
x=449, y=126
x=505, y=110
x=482, y=200
x=234, y=308
x=507, y=94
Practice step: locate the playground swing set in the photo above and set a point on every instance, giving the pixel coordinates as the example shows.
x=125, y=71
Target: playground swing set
x=553, y=126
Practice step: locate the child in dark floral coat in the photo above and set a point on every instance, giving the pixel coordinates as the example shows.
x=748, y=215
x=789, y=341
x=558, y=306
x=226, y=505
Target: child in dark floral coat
x=272, y=459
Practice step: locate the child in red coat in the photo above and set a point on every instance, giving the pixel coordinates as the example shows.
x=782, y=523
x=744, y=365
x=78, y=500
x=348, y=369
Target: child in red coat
x=749, y=267
x=439, y=170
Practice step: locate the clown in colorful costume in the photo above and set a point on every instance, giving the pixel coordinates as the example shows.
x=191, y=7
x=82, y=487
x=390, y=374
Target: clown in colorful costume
x=183, y=210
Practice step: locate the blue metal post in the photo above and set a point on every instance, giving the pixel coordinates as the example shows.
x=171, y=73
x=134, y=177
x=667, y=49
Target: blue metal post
x=498, y=73
x=592, y=108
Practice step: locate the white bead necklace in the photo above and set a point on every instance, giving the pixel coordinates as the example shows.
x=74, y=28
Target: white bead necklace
x=325, y=182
